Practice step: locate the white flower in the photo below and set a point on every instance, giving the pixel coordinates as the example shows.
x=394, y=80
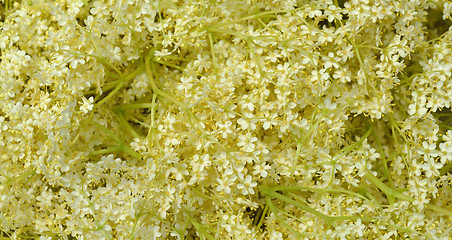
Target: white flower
x=359, y=228
x=421, y=200
x=261, y=169
x=87, y=105
x=320, y=76
x=270, y=120
x=186, y=84
x=247, y=142
x=243, y=123
x=247, y=185
x=276, y=235
x=447, y=10
x=329, y=105
x=225, y=128
x=223, y=186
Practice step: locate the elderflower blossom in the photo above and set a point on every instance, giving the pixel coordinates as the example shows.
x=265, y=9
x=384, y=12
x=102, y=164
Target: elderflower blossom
x=225, y=119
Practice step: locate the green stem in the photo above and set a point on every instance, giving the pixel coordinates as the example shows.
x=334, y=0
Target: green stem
x=382, y=155
x=106, y=151
x=360, y=60
x=300, y=141
x=282, y=221
x=445, y=168
x=115, y=90
x=122, y=81
x=349, y=148
x=260, y=215
x=154, y=87
x=107, y=86
x=24, y=174
x=200, y=228
x=135, y=73
x=108, y=132
x=128, y=150
x=320, y=190
x=245, y=18
x=132, y=106
x=177, y=58
x=395, y=194
x=169, y=64
x=121, y=147
x=124, y=123
x=151, y=129
x=439, y=210
x=214, y=61
x=384, y=188
x=271, y=193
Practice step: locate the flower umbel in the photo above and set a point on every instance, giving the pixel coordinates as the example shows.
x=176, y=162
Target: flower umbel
x=225, y=119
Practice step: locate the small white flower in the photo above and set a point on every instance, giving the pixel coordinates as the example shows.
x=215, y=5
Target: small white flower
x=247, y=185
x=87, y=105
x=359, y=228
x=247, y=142
x=261, y=169
x=243, y=123
x=225, y=128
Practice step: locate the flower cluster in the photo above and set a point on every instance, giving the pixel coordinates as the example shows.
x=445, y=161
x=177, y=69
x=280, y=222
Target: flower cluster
x=182, y=119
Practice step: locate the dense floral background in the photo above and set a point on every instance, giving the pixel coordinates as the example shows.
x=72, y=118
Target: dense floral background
x=225, y=119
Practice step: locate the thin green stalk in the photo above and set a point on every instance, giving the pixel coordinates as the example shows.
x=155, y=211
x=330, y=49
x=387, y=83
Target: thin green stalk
x=260, y=216
x=90, y=205
x=124, y=123
x=122, y=81
x=282, y=221
x=112, y=93
x=274, y=194
x=395, y=194
x=124, y=148
x=106, y=150
x=300, y=141
x=245, y=18
x=445, y=168
x=108, y=132
x=382, y=155
x=214, y=61
x=310, y=189
x=169, y=64
x=132, y=106
x=24, y=174
x=121, y=147
x=154, y=87
x=106, y=87
x=152, y=127
x=200, y=228
x=349, y=148
x=177, y=58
